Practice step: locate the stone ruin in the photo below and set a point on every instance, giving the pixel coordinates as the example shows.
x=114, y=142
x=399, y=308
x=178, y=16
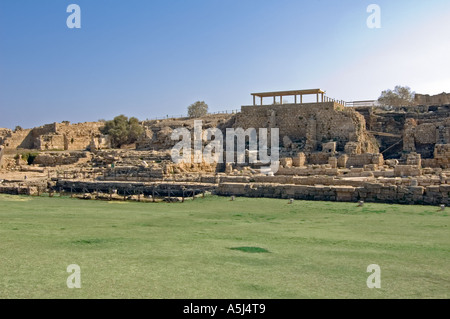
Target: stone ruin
x=327, y=152
x=56, y=136
x=427, y=100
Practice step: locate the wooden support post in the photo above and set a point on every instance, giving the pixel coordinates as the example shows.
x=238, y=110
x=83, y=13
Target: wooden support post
x=261, y=100
x=274, y=100
x=301, y=98
x=295, y=98
x=254, y=100
x=322, y=97
x=193, y=194
x=281, y=99
x=317, y=97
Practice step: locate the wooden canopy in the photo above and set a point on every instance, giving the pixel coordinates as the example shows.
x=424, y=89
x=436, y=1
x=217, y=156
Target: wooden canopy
x=288, y=93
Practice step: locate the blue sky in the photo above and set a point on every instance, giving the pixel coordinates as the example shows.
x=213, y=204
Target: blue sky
x=153, y=58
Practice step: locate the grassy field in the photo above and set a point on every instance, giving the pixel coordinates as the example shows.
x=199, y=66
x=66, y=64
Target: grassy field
x=217, y=248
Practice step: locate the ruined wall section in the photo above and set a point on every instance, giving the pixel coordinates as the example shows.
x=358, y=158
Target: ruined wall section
x=368, y=192
x=56, y=136
x=19, y=139
x=426, y=99
x=4, y=134
x=409, y=129
x=442, y=155
x=424, y=137
x=66, y=136
x=158, y=133
x=310, y=125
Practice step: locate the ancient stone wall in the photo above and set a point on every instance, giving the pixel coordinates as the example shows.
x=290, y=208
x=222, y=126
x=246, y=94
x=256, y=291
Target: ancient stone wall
x=359, y=160
x=408, y=129
x=158, y=132
x=426, y=99
x=309, y=125
x=50, y=142
x=100, y=142
x=78, y=136
x=66, y=158
x=442, y=155
x=426, y=133
x=19, y=139
x=422, y=138
x=19, y=190
x=56, y=136
x=4, y=134
x=368, y=192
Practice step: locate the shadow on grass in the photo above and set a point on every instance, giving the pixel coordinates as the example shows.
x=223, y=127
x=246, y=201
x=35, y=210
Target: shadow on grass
x=251, y=250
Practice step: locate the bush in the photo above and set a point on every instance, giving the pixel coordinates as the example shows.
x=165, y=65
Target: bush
x=28, y=157
x=198, y=109
x=123, y=130
x=400, y=96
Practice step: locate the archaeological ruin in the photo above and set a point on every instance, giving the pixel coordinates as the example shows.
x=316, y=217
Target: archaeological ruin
x=329, y=151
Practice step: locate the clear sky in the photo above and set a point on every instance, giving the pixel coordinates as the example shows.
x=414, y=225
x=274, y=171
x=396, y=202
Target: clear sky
x=151, y=58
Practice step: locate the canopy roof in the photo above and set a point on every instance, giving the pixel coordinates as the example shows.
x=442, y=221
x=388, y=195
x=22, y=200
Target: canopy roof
x=286, y=93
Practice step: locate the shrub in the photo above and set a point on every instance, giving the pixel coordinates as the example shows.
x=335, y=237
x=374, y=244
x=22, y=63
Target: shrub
x=198, y=109
x=400, y=96
x=29, y=157
x=123, y=130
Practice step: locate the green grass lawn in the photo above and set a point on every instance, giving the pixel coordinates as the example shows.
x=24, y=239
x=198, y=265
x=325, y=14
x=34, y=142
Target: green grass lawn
x=217, y=248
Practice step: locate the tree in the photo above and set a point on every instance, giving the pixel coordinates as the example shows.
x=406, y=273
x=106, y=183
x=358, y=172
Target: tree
x=198, y=109
x=400, y=96
x=123, y=130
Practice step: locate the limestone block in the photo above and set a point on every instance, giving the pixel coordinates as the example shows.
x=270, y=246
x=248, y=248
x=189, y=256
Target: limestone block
x=329, y=148
x=342, y=161
x=299, y=160
x=286, y=162
x=333, y=162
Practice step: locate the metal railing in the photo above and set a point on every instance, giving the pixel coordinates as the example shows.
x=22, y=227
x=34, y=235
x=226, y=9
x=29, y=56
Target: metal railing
x=179, y=116
x=329, y=99
x=362, y=103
